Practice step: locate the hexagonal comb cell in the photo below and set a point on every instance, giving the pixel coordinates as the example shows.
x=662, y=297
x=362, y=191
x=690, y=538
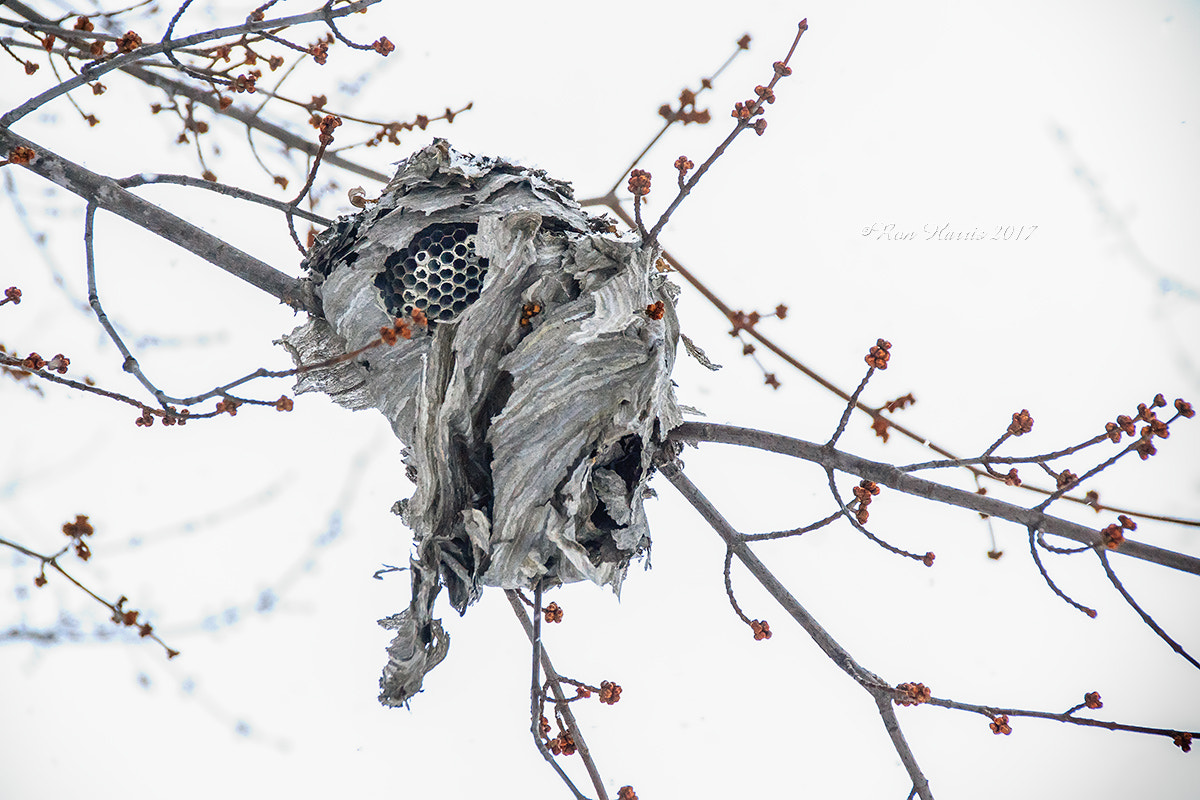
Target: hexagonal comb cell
x=439, y=272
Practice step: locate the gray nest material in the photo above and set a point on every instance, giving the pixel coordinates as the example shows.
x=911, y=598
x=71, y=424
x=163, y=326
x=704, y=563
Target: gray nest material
x=533, y=406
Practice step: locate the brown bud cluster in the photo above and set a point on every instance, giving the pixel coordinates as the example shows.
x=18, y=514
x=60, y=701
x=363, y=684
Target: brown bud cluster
x=1066, y=479
x=553, y=613
x=656, y=310
x=999, y=725
x=878, y=355
x=129, y=42
x=563, y=744
x=1092, y=700
x=761, y=629
x=912, y=694
x=1113, y=535
x=639, y=183
x=863, y=493
x=528, y=312
x=1021, y=423
x=610, y=693
x=21, y=154
x=683, y=164
x=76, y=531
x=326, y=127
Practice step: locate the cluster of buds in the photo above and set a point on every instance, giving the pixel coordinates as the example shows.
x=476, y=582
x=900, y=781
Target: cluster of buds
x=21, y=155
x=1092, y=700
x=656, y=310
x=129, y=618
x=1066, y=479
x=1013, y=478
x=244, y=83
x=129, y=42
x=687, y=112
x=746, y=110
x=402, y=329
x=1154, y=426
x=877, y=357
x=528, y=312
x=999, y=725
x=320, y=49
x=610, y=693
x=76, y=531
x=1113, y=535
x=383, y=46
x=57, y=364
x=743, y=321
x=553, y=613
x=1021, y=424
x=912, y=694
x=228, y=406
x=626, y=793
x=683, y=164
x=326, y=127
x=863, y=493
x=762, y=630
x=12, y=294
x=563, y=744
x=1183, y=741
x=284, y=403
x=639, y=183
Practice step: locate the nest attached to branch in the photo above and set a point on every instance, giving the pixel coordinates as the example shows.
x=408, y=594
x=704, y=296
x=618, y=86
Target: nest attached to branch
x=533, y=405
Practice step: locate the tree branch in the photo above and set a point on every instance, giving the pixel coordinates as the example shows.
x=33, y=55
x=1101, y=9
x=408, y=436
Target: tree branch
x=879, y=689
x=106, y=193
x=893, y=478
x=95, y=70
x=564, y=707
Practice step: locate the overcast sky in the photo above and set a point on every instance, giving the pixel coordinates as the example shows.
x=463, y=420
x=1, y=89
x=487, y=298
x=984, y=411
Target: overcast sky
x=250, y=542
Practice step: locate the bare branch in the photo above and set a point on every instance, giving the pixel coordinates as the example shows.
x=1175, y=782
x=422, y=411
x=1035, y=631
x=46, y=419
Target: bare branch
x=514, y=598
x=93, y=71
x=106, y=193
x=887, y=475
x=879, y=689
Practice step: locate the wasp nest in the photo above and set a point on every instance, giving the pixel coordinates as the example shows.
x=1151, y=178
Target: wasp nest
x=439, y=273
x=533, y=405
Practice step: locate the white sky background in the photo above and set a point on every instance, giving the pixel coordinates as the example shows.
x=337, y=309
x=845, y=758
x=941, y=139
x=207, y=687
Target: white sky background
x=902, y=114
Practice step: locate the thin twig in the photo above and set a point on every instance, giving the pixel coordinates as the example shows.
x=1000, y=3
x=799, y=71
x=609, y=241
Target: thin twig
x=742, y=124
x=95, y=70
x=879, y=689
x=560, y=700
x=109, y=195
x=1154, y=626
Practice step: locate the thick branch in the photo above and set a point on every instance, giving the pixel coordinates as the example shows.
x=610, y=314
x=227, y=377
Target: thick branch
x=893, y=478
x=107, y=194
